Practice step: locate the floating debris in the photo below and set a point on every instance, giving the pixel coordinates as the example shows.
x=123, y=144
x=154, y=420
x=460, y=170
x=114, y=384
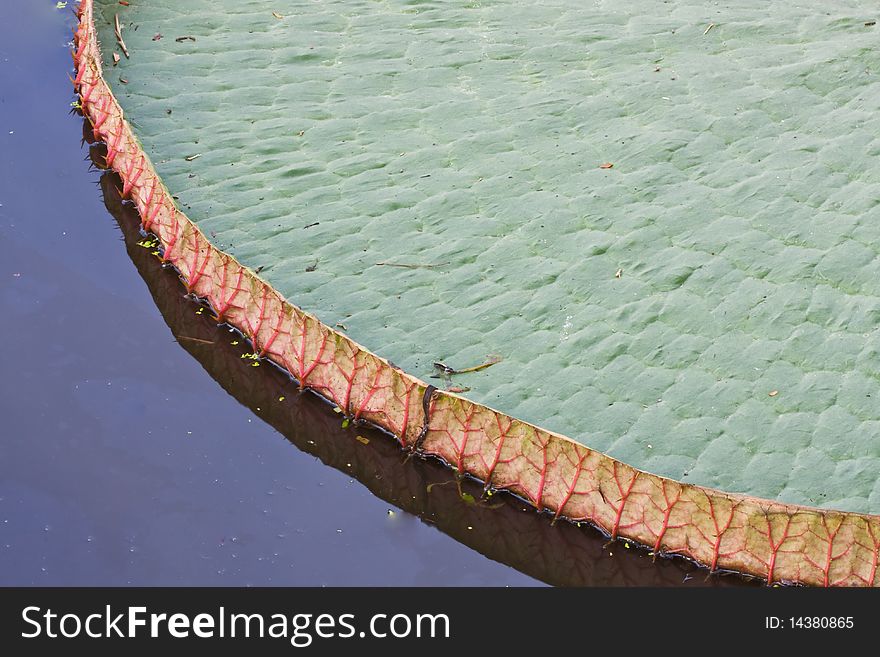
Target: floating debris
x=186, y=337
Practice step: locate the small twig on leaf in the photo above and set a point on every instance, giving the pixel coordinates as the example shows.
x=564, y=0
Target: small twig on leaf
x=118, y=29
x=492, y=360
x=406, y=265
x=444, y=369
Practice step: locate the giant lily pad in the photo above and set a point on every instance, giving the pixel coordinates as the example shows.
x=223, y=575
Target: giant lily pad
x=663, y=217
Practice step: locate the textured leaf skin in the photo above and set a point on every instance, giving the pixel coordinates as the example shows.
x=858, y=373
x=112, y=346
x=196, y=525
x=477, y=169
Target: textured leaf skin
x=778, y=541
x=740, y=210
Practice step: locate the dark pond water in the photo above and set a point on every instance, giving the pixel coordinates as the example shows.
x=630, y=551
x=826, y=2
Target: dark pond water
x=137, y=447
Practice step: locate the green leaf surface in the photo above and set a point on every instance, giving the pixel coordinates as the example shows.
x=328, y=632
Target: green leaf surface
x=705, y=309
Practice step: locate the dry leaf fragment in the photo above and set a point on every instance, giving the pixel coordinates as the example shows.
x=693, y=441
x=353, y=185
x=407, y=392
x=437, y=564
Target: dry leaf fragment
x=773, y=393
x=606, y=165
